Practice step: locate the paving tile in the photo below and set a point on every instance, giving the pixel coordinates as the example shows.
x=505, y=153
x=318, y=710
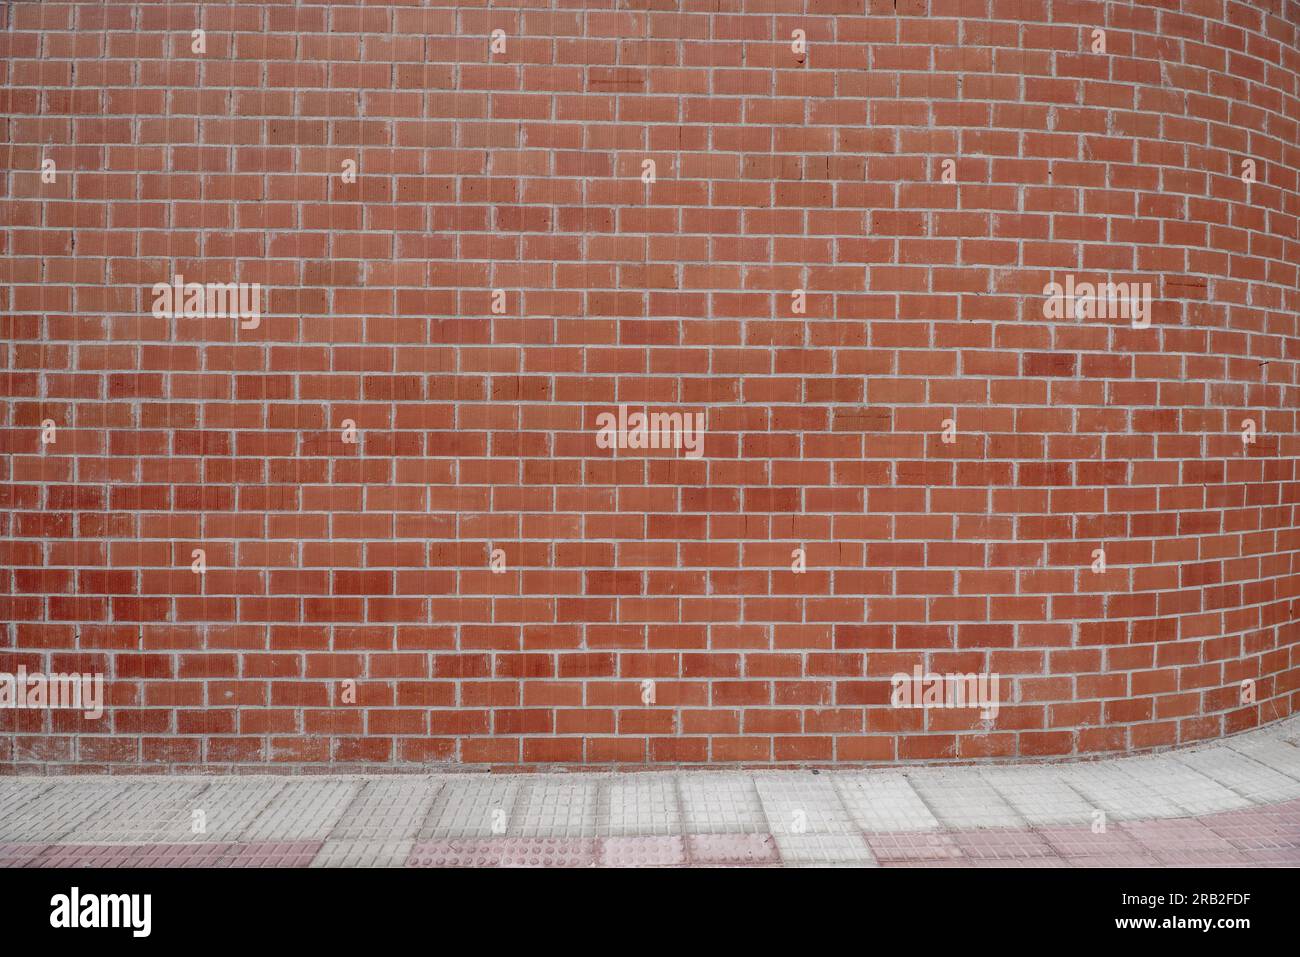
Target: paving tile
x=227, y=808
x=388, y=809
x=1084, y=842
x=824, y=849
x=471, y=806
x=1241, y=774
x=1187, y=834
x=1040, y=795
x=186, y=854
x=803, y=804
x=367, y=852
x=913, y=846
x=272, y=854
x=1186, y=857
x=655, y=851
x=1271, y=752
x=1184, y=786
x=47, y=815
x=147, y=812
x=548, y=807
x=1002, y=844
x=303, y=810
x=504, y=852
x=961, y=799
x=721, y=804
x=1121, y=796
x=1018, y=862
x=734, y=849
x=1113, y=861
x=18, y=855
x=637, y=804
x=883, y=801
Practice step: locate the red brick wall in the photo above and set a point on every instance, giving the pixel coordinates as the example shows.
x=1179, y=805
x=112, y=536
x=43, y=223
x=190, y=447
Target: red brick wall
x=330, y=561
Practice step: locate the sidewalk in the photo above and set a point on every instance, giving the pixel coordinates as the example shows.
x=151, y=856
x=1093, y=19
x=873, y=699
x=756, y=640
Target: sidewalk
x=1231, y=803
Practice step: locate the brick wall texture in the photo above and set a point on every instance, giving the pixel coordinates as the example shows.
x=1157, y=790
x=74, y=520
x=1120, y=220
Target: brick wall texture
x=374, y=522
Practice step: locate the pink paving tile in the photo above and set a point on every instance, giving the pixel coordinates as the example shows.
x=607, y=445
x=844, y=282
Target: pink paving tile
x=1083, y=842
x=949, y=862
x=732, y=849
x=271, y=854
x=1002, y=844
x=135, y=855
x=1021, y=862
x=642, y=852
x=1183, y=857
x=913, y=846
x=505, y=852
x=20, y=855
x=1184, y=834
x=1113, y=860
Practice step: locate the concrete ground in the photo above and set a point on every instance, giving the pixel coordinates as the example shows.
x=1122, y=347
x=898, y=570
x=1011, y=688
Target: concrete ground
x=1228, y=804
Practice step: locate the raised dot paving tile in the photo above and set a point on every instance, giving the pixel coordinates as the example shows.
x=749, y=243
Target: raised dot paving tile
x=652, y=851
x=732, y=849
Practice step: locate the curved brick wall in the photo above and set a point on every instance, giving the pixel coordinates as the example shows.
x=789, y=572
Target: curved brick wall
x=439, y=336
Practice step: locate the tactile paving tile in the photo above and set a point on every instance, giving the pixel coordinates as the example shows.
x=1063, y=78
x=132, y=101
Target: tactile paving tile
x=153, y=811
x=389, y=809
x=825, y=849
x=136, y=855
x=913, y=846
x=883, y=801
x=272, y=854
x=505, y=852
x=1182, y=857
x=732, y=849
x=1113, y=860
x=554, y=808
x=1016, y=862
x=721, y=804
x=20, y=855
x=303, y=810
x=1121, y=796
x=1241, y=774
x=961, y=799
x=364, y=853
x=1040, y=795
x=803, y=804
x=1190, y=790
x=1002, y=844
x=654, y=851
x=639, y=805
x=471, y=806
x=229, y=807
x=57, y=810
